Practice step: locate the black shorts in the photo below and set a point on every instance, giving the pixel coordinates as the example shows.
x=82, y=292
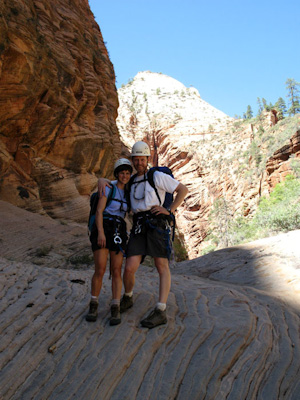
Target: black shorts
x=150, y=236
x=115, y=231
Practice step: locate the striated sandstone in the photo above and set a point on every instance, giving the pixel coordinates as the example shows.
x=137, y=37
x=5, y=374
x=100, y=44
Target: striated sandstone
x=58, y=105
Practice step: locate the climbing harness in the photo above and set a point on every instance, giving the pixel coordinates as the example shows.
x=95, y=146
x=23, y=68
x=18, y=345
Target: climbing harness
x=145, y=220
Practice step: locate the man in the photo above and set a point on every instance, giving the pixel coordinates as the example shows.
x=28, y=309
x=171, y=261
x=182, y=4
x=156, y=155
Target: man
x=150, y=233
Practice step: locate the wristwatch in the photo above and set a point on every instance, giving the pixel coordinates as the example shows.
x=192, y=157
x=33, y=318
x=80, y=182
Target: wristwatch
x=169, y=209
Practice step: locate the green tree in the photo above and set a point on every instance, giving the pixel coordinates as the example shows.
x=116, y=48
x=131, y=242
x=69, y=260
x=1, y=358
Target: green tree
x=280, y=106
x=260, y=107
x=249, y=113
x=266, y=106
x=221, y=215
x=293, y=96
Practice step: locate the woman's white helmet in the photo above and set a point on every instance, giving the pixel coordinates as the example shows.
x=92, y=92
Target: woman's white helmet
x=140, y=149
x=121, y=165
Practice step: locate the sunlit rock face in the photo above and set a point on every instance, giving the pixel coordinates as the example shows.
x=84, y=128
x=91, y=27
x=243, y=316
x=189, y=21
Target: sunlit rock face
x=58, y=106
x=175, y=121
x=281, y=163
x=215, y=156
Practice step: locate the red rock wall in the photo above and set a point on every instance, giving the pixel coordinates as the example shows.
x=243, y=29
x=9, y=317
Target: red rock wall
x=58, y=105
x=279, y=165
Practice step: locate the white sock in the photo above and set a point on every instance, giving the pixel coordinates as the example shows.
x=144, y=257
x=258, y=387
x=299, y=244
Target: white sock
x=94, y=298
x=129, y=294
x=161, y=306
x=115, y=302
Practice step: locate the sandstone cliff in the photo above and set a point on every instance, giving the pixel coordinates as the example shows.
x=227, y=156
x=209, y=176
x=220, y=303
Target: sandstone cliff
x=215, y=156
x=58, y=105
x=232, y=332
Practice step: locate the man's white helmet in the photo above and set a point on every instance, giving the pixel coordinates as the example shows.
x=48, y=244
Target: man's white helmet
x=140, y=149
x=121, y=165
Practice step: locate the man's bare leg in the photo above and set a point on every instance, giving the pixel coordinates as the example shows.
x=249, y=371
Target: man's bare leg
x=131, y=266
x=162, y=266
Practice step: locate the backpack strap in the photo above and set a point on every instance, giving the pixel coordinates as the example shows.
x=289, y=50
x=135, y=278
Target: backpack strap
x=150, y=179
x=129, y=184
x=111, y=195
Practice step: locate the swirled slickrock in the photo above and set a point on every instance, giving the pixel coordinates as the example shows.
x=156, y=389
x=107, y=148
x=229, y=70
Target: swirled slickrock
x=232, y=331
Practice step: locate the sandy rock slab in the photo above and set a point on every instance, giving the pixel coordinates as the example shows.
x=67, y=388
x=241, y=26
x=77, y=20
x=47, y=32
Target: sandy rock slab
x=30, y=237
x=223, y=340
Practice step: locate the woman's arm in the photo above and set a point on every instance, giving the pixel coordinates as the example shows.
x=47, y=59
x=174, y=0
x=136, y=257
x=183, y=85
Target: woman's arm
x=99, y=221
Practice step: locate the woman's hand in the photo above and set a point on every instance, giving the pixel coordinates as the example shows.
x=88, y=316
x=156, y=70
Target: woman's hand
x=101, y=240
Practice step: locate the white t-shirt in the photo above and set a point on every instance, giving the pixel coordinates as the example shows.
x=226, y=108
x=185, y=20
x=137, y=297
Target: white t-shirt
x=142, y=194
x=115, y=207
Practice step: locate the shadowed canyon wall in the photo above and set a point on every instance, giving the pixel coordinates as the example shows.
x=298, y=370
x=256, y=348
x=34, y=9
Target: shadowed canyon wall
x=58, y=106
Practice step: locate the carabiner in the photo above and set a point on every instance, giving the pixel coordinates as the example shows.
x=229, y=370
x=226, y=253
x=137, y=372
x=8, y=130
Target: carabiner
x=117, y=239
x=138, y=228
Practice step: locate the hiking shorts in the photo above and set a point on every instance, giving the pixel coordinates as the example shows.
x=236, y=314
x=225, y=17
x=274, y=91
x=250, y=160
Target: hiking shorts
x=112, y=228
x=150, y=238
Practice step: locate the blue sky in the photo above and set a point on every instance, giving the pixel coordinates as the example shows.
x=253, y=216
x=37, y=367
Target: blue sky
x=231, y=51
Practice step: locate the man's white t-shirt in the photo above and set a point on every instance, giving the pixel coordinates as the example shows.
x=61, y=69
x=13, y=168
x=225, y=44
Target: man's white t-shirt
x=142, y=194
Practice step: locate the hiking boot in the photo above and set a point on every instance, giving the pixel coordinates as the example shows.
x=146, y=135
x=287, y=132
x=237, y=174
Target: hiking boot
x=155, y=318
x=92, y=314
x=115, y=318
x=126, y=302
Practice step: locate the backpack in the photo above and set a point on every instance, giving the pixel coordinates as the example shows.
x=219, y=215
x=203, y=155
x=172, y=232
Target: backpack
x=94, y=203
x=169, y=196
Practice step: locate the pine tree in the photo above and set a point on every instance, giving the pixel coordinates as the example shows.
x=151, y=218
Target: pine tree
x=280, y=106
x=260, y=107
x=249, y=113
x=293, y=96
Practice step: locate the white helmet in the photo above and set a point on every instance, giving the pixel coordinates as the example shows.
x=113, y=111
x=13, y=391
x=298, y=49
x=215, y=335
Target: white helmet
x=121, y=165
x=140, y=149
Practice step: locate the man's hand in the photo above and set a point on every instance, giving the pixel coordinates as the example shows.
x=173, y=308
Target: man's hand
x=159, y=210
x=102, y=183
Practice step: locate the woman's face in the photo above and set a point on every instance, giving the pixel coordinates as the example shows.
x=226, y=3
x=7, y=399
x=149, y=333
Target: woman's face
x=124, y=176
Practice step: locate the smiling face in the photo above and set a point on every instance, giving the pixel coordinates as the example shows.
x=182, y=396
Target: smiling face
x=124, y=176
x=140, y=164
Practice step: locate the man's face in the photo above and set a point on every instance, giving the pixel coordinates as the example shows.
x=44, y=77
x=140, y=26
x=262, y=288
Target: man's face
x=140, y=164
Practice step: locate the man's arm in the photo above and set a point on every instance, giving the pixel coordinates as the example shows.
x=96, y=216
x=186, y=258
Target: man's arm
x=181, y=192
x=102, y=183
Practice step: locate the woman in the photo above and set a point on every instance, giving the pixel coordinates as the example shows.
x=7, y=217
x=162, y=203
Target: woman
x=109, y=236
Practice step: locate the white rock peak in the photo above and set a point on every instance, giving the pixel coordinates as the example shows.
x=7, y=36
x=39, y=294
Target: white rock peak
x=150, y=81
x=155, y=101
